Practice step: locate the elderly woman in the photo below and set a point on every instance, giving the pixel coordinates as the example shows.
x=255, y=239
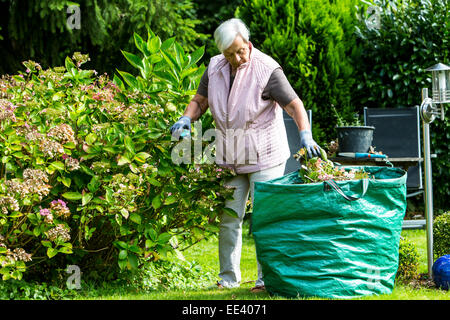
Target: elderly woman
x=244, y=88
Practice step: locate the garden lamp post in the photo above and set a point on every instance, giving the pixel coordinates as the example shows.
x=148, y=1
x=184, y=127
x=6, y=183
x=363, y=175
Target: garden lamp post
x=429, y=110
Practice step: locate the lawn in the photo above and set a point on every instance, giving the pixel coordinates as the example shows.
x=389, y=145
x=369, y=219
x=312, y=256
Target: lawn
x=206, y=254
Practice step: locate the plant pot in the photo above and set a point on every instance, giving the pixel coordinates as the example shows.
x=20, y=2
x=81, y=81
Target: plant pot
x=355, y=138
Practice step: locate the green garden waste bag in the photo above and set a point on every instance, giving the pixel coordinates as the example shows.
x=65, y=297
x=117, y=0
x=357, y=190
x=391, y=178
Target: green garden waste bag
x=331, y=239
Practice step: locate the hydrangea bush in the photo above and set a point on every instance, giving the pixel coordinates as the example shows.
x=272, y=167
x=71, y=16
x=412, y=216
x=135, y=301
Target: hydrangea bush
x=86, y=175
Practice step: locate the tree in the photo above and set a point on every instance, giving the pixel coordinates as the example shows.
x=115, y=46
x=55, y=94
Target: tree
x=39, y=30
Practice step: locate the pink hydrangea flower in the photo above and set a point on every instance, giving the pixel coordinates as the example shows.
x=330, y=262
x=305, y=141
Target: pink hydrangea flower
x=44, y=212
x=59, y=201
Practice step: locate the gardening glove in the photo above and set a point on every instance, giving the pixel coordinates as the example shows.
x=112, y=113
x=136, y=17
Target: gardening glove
x=306, y=141
x=181, y=128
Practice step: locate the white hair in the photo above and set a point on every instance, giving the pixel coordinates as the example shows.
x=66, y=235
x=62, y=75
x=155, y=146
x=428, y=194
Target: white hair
x=228, y=31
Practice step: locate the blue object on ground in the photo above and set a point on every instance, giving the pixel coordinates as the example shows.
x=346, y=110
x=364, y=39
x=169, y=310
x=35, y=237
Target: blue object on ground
x=441, y=272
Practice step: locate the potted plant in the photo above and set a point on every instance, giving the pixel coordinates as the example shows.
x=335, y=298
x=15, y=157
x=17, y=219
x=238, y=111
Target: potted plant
x=353, y=135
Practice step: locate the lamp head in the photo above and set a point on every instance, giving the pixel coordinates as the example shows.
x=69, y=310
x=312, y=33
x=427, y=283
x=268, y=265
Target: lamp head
x=441, y=83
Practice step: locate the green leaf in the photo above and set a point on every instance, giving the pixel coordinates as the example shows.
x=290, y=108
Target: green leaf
x=16, y=147
x=122, y=263
x=124, y=213
x=66, y=181
x=87, y=170
x=72, y=195
x=134, y=248
x=170, y=200
x=51, y=252
x=129, y=79
x=156, y=202
x=134, y=168
x=81, y=120
x=9, y=132
x=66, y=250
x=188, y=72
x=109, y=195
x=167, y=43
x=140, y=44
x=136, y=218
x=133, y=59
x=57, y=165
x=167, y=76
x=230, y=212
x=196, y=56
x=91, y=138
x=148, y=243
x=46, y=243
x=118, y=82
x=36, y=231
x=94, y=184
x=58, y=96
x=155, y=58
x=152, y=234
x=86, y=198
x=141, y=156
x=69, y=64
x=212, y=228
x=132, y=261
x=18, y=155
x=129, y=144
x=176, y=68
x=123, y=160
x=15, y=214
x=17, y=78
x=180, y=55
x=17, y=274
x=123, y=254
x=121, y=244
x=154, y=135
x=154, y=44
x=110, y=150
x=150, y=33
x=164, y=238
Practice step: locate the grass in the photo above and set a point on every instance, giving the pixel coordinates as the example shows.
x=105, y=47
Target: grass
x=206, y=254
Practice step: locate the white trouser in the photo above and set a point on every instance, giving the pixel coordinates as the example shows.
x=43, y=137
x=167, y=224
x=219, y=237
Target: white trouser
x=230, y=233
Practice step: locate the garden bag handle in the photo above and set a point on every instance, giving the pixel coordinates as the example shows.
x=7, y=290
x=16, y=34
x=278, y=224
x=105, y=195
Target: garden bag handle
x=334, y=185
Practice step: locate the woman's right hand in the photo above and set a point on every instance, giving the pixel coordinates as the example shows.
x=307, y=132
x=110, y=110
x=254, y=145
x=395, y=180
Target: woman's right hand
x=184, y=123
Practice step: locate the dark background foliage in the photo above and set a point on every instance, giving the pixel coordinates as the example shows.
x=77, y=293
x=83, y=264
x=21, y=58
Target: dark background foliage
x=38, y=30
x=390, y=69
x=313, y=41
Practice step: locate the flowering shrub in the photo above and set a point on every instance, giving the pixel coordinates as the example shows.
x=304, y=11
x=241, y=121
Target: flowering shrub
x=86, y=171
x=318, y=170
x=408, y=261
x=441, y=235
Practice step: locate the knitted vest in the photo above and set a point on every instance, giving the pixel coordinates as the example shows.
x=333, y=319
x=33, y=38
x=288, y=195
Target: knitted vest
x=250, y=131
